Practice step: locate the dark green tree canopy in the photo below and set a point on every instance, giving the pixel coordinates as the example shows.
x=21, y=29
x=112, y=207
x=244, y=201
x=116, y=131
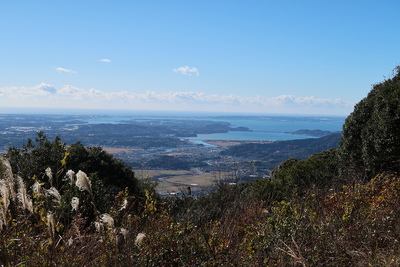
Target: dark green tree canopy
x=371, y=134
x=297, y=177
x=115, y=174
x=107, y=173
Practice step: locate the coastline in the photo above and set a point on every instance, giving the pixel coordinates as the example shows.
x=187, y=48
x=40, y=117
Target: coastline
x=227, y=143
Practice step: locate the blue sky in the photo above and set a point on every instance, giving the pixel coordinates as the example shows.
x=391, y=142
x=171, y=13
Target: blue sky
x=297, y=57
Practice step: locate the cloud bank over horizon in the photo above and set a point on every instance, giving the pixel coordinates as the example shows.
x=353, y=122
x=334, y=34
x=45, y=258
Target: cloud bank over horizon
x=48, y=96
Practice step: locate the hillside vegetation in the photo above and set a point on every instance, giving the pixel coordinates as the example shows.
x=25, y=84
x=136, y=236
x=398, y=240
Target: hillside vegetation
x=78, y=206
x=278, y=151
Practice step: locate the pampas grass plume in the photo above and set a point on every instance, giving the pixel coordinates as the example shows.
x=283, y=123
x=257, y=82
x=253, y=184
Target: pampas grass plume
x=4, y=191
x=70, y=176
x=9, y=178
x=139, y=238
x=5, y=195
x=108, y=220
x=124, y=204
x=83, y=182
x=99, y=227
x=22, y=196
x=49, y=175
x=124, y=232
x=75, y=203
x=37, y=188
x=54, y=192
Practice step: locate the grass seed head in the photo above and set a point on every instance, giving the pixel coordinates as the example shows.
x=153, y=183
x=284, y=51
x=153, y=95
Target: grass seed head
x=107, y=220
x=70, y=176
x=83, y=182
x=9, y=178
x=54, y=192
x=139, y=238
x=37, y=188
x=75, y=203
x=49, y=175
x=23, y=197
x=5, y=194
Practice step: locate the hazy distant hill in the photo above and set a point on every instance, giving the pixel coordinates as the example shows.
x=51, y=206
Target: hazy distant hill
x=318, y=133
x=279, y=151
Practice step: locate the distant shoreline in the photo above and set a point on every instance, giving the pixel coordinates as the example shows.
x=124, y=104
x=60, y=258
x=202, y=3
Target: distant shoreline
x=226, y=143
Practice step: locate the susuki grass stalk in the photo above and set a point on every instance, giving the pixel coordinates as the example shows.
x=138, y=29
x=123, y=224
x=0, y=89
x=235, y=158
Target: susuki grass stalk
x=139, y=239
x=70, y=176
x=75, y=204
x=107, y=220
x=54, y=192
x=23, y=197
x=5, y=195
x=49, y=175
x=52, y=225
x=83, y=182
x=9, y=178
x=36, y=188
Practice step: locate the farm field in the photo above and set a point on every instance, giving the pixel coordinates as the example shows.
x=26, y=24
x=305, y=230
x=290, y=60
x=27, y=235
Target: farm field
x=176, y=180
x=114, y=150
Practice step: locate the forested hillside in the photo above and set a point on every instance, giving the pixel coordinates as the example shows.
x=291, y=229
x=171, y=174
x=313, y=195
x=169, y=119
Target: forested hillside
x=78, y=206
x=278, y=151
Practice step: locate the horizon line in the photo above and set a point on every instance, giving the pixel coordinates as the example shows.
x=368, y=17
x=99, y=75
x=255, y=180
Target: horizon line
x=96, y=111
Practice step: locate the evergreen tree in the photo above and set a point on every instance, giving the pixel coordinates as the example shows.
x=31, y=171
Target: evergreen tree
x=371, y=134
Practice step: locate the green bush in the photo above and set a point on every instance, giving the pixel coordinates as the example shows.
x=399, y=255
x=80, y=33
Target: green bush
x=370, y=140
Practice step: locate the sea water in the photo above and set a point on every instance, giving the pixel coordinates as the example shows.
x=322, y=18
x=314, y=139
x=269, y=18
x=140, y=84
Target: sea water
x=272, y=128
x=261, y=128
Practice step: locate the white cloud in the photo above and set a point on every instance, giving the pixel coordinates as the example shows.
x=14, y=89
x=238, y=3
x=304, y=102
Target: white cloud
x=71, y=92
x=62, y=70
x=306, y=101
x=45, y=95
x=46, y=87
x=105, y=60
x=186, y=70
